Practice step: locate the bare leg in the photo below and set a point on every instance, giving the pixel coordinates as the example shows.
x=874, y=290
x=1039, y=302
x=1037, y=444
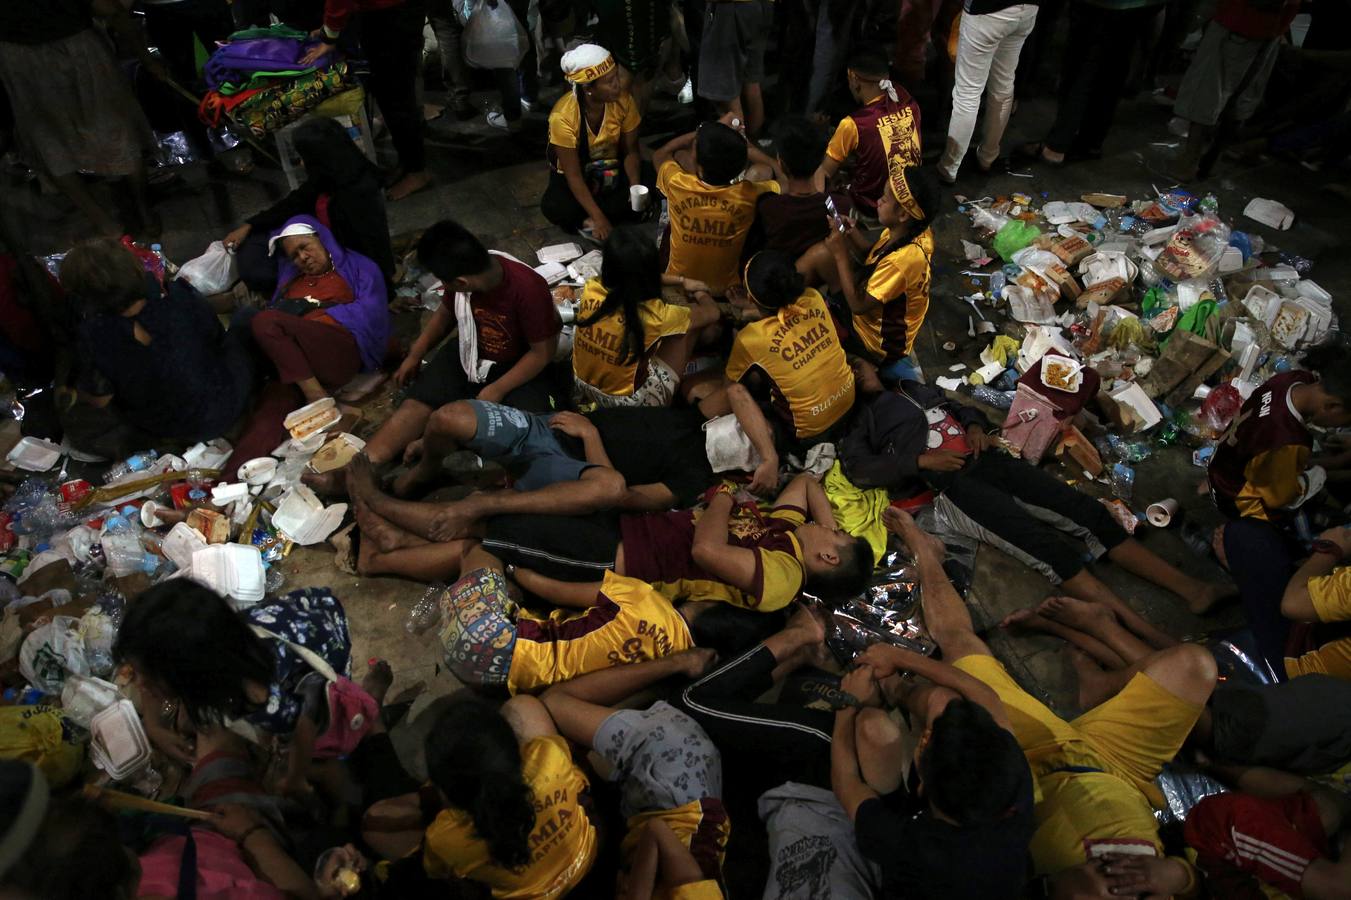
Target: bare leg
x=752, y=101
x=447, y=428
x=1031, y=618
x=379, y=531
x=598, y=488
x=798, y=644
x=1096, y=621
x=415, y=517
x=1095, y=685
x=136, y=188
x=1086, y=586
x=401, y=429
x=818, y=266
x=1187, y=671
x=1137, y=559
x=312, y=389
x=427, y=562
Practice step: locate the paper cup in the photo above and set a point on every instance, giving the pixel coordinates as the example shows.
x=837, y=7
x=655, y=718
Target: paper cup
x=1161, y=514
x=154, y=515
x=638, y=197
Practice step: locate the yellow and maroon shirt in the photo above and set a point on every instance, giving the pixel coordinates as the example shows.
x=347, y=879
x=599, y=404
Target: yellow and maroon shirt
x=1257, y=464
x=873, y=134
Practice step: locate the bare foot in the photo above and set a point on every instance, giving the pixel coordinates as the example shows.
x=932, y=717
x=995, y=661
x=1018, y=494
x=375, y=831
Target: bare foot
x=453, y=520
x=1024, y=618
x=327, y=484
x=415, y=481
x=1076, y=613
x=376, y=531
x=378, y=679
x=359, y=475
x=1095, y=685
x=695, y=662
x=408, y=185
x=805, y=626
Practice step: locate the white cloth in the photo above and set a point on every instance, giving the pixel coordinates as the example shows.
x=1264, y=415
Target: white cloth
x=292, y=230
x=988, y=46
x=728, y=447
x=475, y=369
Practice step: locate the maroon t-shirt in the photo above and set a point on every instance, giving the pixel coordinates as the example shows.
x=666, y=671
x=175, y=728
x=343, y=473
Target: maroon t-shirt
x=1265, y=422
x=795, y=224
x=1256, y=21
x=517, y=313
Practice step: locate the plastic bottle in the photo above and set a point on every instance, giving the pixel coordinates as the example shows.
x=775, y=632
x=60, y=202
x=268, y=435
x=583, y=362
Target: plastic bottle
x=997, y=282
x=123, y=552
x=426, y=612
x=136, y=463
x=170, y=269
x=1123, y=481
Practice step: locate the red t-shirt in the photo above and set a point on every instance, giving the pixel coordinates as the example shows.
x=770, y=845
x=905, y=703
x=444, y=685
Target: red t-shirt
x=1256, y=21
x=517, y=313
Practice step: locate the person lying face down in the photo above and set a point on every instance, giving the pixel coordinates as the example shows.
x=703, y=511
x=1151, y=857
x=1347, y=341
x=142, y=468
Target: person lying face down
x=492, y=641
x=724, y=551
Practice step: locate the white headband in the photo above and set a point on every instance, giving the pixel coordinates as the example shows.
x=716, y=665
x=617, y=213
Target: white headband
x=292, y=230
x=886, y=85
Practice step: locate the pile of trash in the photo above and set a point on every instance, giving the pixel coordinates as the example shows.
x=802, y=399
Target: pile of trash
x=72, y=551
x=1157, y=309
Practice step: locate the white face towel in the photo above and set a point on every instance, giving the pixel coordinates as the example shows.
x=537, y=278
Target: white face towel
x=475, y=369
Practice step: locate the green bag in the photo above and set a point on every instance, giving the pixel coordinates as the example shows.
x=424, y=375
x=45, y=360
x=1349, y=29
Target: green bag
x=1013, y=237
x=270, y=109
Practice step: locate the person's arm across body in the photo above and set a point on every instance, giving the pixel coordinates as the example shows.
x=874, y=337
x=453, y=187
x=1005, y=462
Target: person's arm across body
x=711, y=552
x=839, y=243
x=1331, y=548
x=633, y=158
x=259, y=848
x=667, y=152
x=571, y=164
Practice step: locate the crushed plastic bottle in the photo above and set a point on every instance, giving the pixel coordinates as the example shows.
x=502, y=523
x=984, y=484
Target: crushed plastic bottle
x=1129, y=451
x=123, y=552
x=426, y=612
x=35, y=509
x=136, y=463
x=275, y=580
x=1123, y=481
x=997, y=399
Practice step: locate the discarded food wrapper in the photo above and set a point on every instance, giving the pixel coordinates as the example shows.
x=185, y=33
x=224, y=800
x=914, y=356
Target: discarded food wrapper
x=235, y=570
x=336, y=453
x=948, y=384
x=312, y=418
x=257, y=471
x=292, y=448
x=118, y=744
x=1138, y=412
x=1061, y=373
x=213, y=526
x=304, y=519
x=559, y=253
x=587, y=267
x=1270, y=213
x=1108, y=264
x=34, y=454
x=180, y=543
x=552, y=272
x=1104, y=201
x=208, y=455
x=225, y=494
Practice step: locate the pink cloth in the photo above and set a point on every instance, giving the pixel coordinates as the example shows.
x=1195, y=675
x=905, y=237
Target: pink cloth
x=222, y=873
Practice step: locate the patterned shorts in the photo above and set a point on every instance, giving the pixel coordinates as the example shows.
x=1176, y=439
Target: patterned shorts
x=663, y=757
x=478, y=628
x=658, y=389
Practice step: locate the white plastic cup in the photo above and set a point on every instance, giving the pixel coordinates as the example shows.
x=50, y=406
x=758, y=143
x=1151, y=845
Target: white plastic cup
x=639, y=197
x=1161, y=514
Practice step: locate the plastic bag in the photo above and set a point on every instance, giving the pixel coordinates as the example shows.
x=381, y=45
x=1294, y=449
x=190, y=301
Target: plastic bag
x=1195, y=249
x=51, y=652
x=213, y=272
x=1013, y=237
x=494, y=38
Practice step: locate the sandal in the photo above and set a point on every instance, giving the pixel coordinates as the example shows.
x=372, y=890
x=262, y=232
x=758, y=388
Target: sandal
x=1036, y=152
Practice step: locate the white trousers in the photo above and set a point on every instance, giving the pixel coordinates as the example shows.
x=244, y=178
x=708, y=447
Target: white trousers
x=987, y=59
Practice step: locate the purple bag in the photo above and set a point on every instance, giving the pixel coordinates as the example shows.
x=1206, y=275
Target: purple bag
x=238, y=61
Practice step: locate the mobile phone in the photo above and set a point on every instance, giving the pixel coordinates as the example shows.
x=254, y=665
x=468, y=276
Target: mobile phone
x=834, y=213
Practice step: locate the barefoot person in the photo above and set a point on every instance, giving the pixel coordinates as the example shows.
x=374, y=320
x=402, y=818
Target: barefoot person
x=1095, y=775
x=911, y=437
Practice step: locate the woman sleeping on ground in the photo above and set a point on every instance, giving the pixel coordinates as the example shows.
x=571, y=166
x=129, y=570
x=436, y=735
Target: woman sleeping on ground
x=327, y=322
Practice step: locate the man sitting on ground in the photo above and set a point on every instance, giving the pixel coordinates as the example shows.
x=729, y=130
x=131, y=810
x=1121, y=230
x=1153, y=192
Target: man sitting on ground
x=508, y=334
x=796, y=219
x=1095, y=774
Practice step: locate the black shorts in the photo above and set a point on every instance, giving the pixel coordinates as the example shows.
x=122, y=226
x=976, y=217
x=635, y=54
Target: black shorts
x=568, y=548
x=651, y=445
x=442, y=380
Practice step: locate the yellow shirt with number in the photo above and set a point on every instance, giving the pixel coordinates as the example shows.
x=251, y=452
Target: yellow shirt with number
x=630, y=623
x=596, y=348
x=562, y=840
x=812, y=385
x=565, y=126
x=900, y=283
x=709, y=224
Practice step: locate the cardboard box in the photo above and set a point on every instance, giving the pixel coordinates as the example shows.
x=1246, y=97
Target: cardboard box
x=1061, y=278
x=1105, y=201
x=212, y=525
x=1072, y=251
x=1081, y=450
x=1105, y=293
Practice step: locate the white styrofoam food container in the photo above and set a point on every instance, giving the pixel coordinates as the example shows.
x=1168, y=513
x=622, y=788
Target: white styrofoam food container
x=34, y=454
x=118, y=744
x=235, y=570
x=301, y=517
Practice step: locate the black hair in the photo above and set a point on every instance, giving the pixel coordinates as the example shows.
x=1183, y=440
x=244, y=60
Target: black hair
x=847, y=579
x=773, y=280
x=721, y=152
x=631, y=272
x=801, y=145
x=870, y=61
x=450, y=251
x=1332, y=362
x=103, y=275
x=730, y=630
x=972, y=769
x=189, y=640
x=332, y=159
x=474, y=759
x=76, y=852
x=923, y=184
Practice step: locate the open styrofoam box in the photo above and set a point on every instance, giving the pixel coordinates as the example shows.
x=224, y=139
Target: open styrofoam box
x=325, y=414
x=235, y=570
x=118, y=744
x=33, y=454
x=301, y=517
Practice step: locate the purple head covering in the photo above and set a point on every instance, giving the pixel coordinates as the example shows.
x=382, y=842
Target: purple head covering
x=367, y=316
